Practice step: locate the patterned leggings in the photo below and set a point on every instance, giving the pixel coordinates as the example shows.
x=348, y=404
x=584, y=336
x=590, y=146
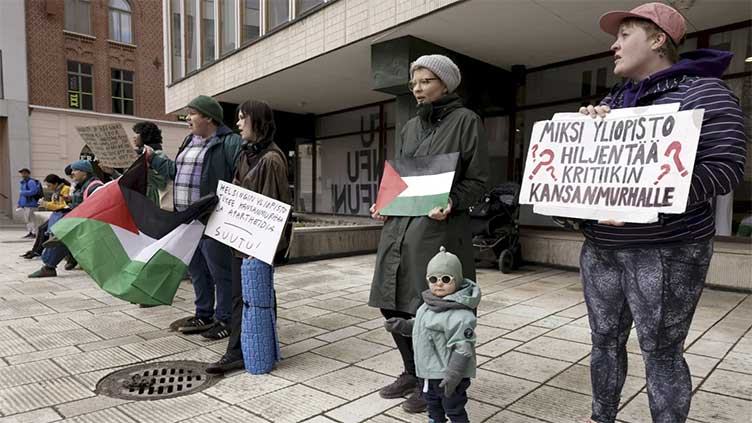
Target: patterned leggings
x=657, y=288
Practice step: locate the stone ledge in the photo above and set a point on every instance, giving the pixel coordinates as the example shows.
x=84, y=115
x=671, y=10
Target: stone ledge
x=730, y=268
x=319, y=242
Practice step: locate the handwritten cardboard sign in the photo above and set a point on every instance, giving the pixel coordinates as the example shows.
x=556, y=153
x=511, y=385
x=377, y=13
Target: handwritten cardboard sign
x=109, y=143
x=629, y=166
x=248, y=221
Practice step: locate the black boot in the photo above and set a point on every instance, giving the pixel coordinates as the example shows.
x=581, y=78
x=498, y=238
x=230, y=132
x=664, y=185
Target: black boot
x=414, y=403
x=404, y=385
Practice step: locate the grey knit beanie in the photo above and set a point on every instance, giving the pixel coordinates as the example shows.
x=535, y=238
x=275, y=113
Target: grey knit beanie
x=442, y=66
x=445, y=263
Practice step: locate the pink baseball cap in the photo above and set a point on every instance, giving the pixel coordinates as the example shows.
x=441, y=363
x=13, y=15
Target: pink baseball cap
x=666, y=17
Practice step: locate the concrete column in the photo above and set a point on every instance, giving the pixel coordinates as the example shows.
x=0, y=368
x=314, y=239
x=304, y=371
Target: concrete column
x=14, y=103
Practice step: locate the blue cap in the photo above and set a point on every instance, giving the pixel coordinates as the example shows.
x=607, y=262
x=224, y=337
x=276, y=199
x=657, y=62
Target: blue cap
x=83, y=166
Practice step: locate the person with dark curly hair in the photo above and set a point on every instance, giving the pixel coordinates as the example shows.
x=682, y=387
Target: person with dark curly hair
x=157, y=189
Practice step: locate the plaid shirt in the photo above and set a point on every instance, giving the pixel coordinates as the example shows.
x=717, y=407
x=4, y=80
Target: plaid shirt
x=189, y=164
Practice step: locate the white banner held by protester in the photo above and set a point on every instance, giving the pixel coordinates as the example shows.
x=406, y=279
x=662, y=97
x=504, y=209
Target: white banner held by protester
x=109, y=143
x=248, y=221
x=629, y=166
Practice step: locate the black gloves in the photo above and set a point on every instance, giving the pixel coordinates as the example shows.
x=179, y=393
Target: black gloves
x=399, y=326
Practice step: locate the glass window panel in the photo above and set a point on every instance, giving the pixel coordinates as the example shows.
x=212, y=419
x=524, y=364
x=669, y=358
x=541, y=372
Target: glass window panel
x=190, y=36
x=127, y=90
x=115, y=73
x=116, y=92
x=496, y=130
x=227, y=25
x=77, y=16
x=207, y=31
x=73, y=83
x=251, y=20
x=177, y=71
x=278, y=12
x=114, y=23
x=86, y=68
x=120, y=4
x=347, y=180
x=70, y=15
x=742, y=195
x=389, y=112
x=128, y=107
x=86, y=84
x=117, y=105
x=304, y=187
x=126, y=33
x=128, y=75
x=87, y=102
x=365, y=119
x=739, y=42
x=84, y=17
x=72, y=66
x=304, y=5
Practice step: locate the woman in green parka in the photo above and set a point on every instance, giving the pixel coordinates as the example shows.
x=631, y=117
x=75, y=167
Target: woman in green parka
x=442, y=125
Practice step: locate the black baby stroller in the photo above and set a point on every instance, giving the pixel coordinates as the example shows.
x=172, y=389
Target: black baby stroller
x=495, y=227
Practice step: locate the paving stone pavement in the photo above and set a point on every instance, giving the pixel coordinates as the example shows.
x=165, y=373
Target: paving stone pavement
x=59, y=336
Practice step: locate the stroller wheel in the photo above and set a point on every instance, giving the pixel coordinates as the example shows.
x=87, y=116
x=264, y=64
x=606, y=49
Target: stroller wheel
x=506, y=261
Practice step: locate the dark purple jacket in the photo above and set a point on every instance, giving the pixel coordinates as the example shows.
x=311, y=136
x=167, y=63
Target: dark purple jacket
x=694, y=82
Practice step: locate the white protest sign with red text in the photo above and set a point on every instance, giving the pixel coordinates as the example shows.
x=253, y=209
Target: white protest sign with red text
x=629, y=166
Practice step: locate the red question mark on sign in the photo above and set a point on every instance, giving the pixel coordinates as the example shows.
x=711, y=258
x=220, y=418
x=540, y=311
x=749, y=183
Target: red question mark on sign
x=675, y=147
x=546, y=152
x=535, y=148
x=550, y=170
x=666, y=169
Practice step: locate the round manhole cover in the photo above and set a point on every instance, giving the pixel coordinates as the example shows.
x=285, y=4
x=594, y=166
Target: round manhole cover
x=159, y=380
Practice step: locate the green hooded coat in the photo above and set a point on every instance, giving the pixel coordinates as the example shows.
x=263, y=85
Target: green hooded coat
x=408, y=243
x=445, y=326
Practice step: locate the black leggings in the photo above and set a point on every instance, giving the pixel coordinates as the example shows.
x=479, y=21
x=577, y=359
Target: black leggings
x=41, y=238
x=404, y=344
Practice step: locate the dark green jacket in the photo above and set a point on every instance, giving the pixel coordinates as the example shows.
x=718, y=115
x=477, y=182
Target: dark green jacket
x=408, y=243
x=155, y=183
x=77, y=196
x=219, y=161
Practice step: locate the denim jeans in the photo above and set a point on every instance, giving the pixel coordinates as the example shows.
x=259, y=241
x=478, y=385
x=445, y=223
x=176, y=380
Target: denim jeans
x=210, y=271
x=657, y=288
x=51, y=257
x=440, y=407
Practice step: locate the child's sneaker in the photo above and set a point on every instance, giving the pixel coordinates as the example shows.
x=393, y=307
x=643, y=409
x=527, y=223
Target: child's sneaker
x=414, y=403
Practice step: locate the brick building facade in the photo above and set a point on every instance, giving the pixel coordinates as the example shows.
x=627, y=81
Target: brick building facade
x=104, y=63
x=50, y=46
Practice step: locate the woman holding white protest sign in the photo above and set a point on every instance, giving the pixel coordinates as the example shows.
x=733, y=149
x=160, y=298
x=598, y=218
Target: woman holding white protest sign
x=653, y=274
x=261, y=168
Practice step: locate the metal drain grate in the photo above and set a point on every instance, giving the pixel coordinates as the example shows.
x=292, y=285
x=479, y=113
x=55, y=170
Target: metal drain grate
x=159, y=380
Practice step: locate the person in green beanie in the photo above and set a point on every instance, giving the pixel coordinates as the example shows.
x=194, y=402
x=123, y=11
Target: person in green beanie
x=443, y=335
x=207, y=155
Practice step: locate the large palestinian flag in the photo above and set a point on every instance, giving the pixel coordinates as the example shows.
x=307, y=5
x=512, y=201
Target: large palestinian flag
x=414, y=186
x=131, y=248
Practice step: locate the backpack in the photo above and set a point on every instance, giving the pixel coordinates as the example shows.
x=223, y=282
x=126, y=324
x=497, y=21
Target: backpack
x=39, y=194
x=93, y=184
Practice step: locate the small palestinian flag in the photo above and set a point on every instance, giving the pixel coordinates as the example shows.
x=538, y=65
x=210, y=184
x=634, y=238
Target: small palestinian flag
x=131, y=248
x=413, y=187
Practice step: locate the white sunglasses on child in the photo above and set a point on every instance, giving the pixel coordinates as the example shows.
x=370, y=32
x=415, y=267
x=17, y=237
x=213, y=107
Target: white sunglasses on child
x=445, y=279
